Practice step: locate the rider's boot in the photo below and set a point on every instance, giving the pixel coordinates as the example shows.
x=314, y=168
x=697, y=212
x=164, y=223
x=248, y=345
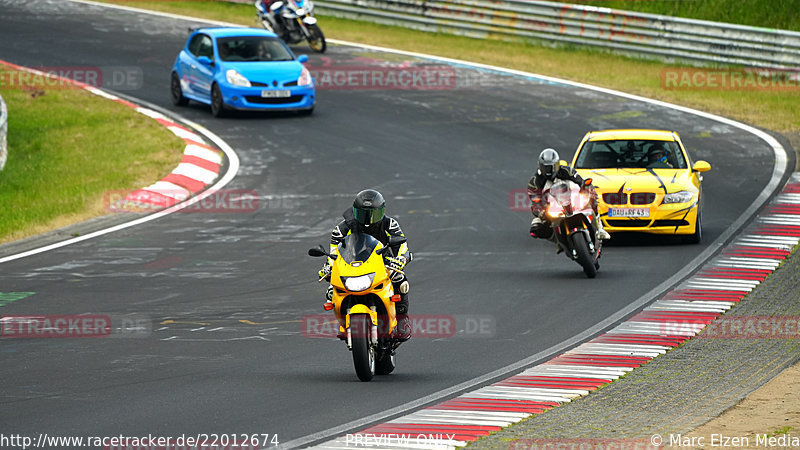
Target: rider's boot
x=404, y=325
x=601, y=234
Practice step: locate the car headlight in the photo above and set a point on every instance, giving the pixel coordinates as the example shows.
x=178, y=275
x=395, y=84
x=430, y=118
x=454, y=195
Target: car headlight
x=236, y=79
x=358, y=284
x=305, y=78
x=679, y=197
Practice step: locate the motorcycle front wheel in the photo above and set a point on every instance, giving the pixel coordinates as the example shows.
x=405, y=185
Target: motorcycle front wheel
x=267, y=26
x=363, y=352
x=316, y=40
x=581, y=246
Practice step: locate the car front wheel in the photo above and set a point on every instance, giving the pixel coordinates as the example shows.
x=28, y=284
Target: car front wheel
x=217, y=105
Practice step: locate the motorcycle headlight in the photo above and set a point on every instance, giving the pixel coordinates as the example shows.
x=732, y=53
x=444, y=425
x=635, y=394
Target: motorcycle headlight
x=305, y=78
x=555, y=210
x=300, y=12
x=360, y=283
x=678, y=197
x=236, y=79
x=583, y=201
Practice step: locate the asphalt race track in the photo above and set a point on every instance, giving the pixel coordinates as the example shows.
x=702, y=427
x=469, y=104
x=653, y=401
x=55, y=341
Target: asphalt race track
x=226, y=293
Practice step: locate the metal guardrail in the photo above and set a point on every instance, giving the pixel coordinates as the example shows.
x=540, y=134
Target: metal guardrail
x=3, y=133
x=622, y=31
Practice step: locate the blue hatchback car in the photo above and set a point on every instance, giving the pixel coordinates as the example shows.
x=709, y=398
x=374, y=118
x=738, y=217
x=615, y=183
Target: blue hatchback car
x=241, y=68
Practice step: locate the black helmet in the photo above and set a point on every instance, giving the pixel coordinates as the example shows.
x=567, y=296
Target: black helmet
x=549, y=163
x=369, y=207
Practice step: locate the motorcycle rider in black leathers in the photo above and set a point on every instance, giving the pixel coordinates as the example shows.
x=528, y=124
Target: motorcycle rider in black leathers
x=551, y=169
x=368, y=216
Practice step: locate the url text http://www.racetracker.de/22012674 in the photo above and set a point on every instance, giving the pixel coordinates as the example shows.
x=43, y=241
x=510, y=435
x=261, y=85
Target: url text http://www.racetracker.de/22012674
x=240, y=441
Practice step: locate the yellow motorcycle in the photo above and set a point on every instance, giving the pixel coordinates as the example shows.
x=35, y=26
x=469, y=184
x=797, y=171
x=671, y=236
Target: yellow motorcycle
x=364, y=301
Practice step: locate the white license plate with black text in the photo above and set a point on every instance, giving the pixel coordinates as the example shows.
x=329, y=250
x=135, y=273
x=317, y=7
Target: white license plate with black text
x=276, y=94
x=629, y=212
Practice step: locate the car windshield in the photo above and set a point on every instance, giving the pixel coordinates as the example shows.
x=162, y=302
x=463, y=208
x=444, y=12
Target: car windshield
x=631, y=154
x=252, y=48
x=357, y=247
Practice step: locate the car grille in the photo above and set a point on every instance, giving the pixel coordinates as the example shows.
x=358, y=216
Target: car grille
x=628, y=223
x=273, y=101
x=636, y=198
x=273, y=84
x=615, y=198
x=642, y=198
x=670, y=223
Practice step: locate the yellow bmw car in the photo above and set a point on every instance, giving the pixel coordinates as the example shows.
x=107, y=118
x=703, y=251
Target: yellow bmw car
x=645, y=181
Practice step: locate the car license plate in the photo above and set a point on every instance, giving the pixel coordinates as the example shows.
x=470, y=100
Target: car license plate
x=628, y=212
x=276, y=94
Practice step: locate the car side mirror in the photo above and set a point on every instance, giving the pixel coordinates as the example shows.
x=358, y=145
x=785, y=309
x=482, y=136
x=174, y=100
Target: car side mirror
x=205, y=60
x=701, y=166
x=302, y=59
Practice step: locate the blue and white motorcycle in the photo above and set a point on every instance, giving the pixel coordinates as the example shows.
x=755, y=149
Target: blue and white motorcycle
x=292, y=20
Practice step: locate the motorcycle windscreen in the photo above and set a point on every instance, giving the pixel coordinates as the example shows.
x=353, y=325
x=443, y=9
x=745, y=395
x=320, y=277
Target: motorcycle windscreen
x=561, y=192
x=357, y=247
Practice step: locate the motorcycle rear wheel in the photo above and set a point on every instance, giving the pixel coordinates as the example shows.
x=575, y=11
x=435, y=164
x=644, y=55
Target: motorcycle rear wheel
x=585, y=259
x=316, y=40
x=363, y=352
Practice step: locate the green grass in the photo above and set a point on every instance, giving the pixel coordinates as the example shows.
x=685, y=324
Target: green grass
x=780, y=431
x=67, y=149
x=777, y=110
x=784, y=14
